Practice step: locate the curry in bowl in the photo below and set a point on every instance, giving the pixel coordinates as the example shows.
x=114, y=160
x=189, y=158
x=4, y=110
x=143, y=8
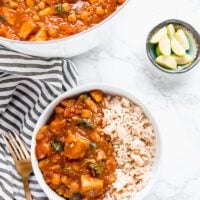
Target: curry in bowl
x=35, y=20
x=96, y=146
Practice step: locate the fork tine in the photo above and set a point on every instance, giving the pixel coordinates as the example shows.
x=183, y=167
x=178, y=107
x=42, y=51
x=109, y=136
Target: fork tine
x=16, y=146
x=23, y=146
x=9, y=148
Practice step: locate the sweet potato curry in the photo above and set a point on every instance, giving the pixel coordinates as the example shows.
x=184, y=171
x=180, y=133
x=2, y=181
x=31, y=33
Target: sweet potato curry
x=41, y=20
x=74, y=154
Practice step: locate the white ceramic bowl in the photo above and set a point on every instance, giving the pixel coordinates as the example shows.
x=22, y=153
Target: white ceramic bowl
x=74, y=92
x=69, y=46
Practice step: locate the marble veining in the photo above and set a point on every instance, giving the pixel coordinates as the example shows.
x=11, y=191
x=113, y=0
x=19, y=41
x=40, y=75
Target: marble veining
x=174, y=100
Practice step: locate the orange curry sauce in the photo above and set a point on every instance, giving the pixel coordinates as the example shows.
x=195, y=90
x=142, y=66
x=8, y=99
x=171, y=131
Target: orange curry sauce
x=75, y=155
x=41, y=20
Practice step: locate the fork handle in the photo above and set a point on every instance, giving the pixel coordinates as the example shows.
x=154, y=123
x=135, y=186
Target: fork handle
x=27, y=189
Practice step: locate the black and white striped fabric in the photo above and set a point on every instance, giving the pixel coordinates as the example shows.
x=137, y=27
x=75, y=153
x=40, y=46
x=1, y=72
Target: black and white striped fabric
x=27, y=85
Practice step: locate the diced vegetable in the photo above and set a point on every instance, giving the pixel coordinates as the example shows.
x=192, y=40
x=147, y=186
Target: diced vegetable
x=47, y=11
x=76, y=146
x=67, y=102
x=91, y=105
x=30, y=3
x=59, y=110
x=42, y=150
x=86, y=113
x=91, y=184
x=100, y=155
x=56, y=179
x=57, y=145
x=57, y=125
x=41, y=35
x=26, y=29
x=97, y=95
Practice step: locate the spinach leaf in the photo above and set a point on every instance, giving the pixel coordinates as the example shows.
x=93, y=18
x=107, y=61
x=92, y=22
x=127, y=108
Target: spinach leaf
x=76, y=196
x=96, y=168
x=93, y=145
x=2, y=18
x=85, y=123
x=59, y=8
x=57, y=145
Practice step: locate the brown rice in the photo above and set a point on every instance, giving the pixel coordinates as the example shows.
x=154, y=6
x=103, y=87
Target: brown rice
x=133, y=138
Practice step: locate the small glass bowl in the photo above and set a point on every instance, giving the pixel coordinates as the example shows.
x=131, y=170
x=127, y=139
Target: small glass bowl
x=194, y=41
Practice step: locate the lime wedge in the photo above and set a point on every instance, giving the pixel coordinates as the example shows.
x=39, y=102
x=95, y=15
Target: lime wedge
x=183, y=60
x=164, y=45
x=182, y=39
x=170, y=31
x=177, y=48
x=168, y=62
x=158, y=52
x=158, y=35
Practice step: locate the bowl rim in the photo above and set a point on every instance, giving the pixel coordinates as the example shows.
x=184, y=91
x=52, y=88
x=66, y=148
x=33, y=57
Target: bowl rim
x=108, y=89
x=195, y=35
x=71, y=37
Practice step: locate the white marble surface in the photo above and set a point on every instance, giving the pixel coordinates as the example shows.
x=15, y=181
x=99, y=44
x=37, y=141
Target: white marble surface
x=174, y=100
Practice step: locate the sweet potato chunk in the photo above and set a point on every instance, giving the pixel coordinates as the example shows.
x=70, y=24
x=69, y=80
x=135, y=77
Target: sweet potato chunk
x=97, y=95
x=92, y=186
x=76, y=146
x=42, y=150
x=91, y=105
x=41, y=35
x=26, y=29
x=57, y=125
x=8, y=14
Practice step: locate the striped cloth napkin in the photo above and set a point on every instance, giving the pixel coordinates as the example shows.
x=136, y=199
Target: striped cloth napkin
x=27, y=85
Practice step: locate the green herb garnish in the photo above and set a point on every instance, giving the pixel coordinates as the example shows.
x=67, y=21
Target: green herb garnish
x=96, y=168
x=93, y=145
x=2, y=18
x=76, y=196
x=59, y=8
x=57, y=145
x=85, y=123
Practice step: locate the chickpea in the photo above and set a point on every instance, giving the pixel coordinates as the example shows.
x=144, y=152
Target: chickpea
x=84, y=15
x=27, y=10
x=52, y=32
x=41, y=5
x=56, y=179
x=36, y=18
x=36, y=8
x=47, y=11
x=13, y=4
x=100, y=11
x=66, y=7
x=93, y=1
x=120, y=1
x=72, y=18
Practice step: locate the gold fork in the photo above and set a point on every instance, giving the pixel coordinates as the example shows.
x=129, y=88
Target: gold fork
x=21, y=157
